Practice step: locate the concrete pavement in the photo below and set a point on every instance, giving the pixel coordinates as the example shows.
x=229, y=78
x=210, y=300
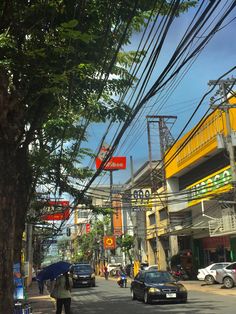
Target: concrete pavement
x=44, y=304
x=41, y=304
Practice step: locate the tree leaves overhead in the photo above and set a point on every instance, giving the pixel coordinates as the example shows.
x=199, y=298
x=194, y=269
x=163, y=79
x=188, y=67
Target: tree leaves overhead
x=63, y=65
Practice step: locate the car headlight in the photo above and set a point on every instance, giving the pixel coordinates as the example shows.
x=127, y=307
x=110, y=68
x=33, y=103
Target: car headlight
x=75, y=276
x=153, y=290
x=93, y=276
x=182, y=289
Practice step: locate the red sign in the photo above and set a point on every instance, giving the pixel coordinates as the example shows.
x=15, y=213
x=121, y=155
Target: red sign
x=109, y=242
x=61, y=211
x=87, y=228
x=114, y=163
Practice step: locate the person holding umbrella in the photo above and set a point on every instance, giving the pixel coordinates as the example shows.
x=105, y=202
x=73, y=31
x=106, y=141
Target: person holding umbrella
x=63, y=293
x=62, y=287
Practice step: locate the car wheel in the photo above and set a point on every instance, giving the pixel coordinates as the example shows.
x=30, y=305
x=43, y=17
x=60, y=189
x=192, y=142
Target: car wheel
x=146, y=298
x=209, y=280
x=228, y=282
x=133, y=295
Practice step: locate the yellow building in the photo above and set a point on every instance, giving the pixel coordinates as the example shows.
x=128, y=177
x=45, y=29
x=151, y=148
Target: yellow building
x=199, y=188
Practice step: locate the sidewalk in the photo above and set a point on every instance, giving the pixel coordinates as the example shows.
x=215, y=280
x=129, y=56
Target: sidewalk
x=41, y=304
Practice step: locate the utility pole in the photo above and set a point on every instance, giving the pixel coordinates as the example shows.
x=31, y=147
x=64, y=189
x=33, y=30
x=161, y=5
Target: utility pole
x=164, y=124
x=135, y=225
x=225, y=107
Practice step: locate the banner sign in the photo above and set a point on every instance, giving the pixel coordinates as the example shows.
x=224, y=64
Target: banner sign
x=117, y=215
x=60, y=211
x=109, y=242
x=114, y=163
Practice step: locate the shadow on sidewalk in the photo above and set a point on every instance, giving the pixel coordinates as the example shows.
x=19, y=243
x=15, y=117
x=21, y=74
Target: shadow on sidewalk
x=40, y=303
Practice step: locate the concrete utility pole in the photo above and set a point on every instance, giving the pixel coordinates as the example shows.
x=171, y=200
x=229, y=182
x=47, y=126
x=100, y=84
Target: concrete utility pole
x=166, y=140
x=135, y=225
x=225, y=107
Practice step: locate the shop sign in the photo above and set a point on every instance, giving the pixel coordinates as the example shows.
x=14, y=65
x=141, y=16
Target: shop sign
x=109, y=242
x=141, y=198
x=217, y=182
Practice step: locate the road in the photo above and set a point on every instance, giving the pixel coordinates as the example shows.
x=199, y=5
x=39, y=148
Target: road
x=108, y=298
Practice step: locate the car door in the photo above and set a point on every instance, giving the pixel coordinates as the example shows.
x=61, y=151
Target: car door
x=231, y=271
x=139, y=285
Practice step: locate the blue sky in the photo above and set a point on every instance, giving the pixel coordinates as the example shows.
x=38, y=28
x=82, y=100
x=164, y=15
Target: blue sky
x=218, y=57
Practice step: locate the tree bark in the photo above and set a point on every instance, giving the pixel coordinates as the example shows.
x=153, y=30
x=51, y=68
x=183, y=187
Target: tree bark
x=14, y=187
x=8, y=183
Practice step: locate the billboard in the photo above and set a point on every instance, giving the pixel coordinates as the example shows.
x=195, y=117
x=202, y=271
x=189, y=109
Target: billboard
x=114, y=163
x=59, y=210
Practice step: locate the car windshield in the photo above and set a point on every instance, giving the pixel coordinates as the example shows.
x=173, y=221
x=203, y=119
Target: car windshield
x=82, y=268
x=158, y=277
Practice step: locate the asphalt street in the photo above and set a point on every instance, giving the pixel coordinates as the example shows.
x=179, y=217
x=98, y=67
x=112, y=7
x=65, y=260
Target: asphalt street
x=108, y=298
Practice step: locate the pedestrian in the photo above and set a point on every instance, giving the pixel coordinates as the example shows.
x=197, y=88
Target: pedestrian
x=41, y=286
x=106, y=272
x=63, y=286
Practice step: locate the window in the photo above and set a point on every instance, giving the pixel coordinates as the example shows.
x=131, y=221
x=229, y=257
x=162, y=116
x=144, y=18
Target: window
x=218, y=266
x=163, y=214
x=152, y=219
x=232, y=266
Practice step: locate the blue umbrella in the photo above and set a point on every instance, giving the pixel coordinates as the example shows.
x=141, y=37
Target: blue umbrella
x=53, y=271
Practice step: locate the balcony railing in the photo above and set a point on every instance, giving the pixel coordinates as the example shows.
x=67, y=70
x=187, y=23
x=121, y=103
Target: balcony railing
x=222, y=226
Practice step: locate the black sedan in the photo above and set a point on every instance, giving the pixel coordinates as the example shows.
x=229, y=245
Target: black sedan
x=83, y=274
x=157, y=286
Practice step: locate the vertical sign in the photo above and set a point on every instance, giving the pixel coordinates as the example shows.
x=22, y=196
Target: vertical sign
x=117, y=215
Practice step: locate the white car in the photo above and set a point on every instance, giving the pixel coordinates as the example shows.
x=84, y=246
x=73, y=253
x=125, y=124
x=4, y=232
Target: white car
x=113, y=266
x=208, y=274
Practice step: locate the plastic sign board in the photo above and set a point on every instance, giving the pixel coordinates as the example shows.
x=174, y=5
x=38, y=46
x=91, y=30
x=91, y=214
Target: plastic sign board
x=59, y=210
x=114, y=163
x=109, y=242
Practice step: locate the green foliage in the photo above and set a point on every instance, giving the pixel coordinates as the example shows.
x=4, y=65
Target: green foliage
x=126, y=243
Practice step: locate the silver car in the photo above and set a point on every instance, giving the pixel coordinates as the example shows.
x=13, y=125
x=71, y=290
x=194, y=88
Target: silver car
x=227, y=275
x=209, y=273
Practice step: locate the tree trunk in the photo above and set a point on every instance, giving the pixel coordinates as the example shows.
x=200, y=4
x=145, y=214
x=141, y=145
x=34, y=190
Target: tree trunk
x=14, y=189
x=8, y=187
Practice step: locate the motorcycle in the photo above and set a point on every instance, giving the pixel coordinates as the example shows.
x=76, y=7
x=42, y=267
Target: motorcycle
x=122, y=281
x=179, y=273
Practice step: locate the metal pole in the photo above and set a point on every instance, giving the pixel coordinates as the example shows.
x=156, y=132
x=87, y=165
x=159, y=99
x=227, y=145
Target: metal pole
x=226, y=109
x=228, y=136
x=111, y=185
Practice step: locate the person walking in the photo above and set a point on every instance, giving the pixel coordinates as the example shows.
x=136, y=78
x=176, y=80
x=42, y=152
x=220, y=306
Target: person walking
x=40, y=285
x=106, y=272
x=63, y=286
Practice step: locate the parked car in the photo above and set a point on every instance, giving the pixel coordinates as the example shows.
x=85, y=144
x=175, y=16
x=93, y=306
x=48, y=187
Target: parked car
x=227, y=275
x=152, y=285
x=113, y=269
x=83, y=274
x=208, y=274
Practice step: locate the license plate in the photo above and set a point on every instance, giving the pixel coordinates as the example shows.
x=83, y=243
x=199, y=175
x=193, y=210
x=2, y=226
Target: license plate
x=84, y=282
x=171, y=295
